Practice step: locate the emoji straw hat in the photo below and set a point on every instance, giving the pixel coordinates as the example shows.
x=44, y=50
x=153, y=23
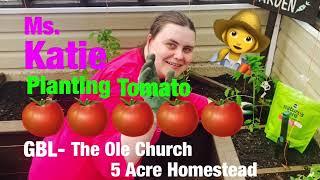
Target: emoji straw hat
x=249, y=21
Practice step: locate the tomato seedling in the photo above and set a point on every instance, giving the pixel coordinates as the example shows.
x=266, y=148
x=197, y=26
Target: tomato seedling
x=256, y=78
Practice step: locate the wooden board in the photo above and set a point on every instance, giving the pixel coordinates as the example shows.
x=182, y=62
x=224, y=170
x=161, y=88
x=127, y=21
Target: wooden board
x=95, y=21
x=127, y=39
x=287, y=72
x=302, y=38
x=130, y=28
x=297, y=57
x=14, y=60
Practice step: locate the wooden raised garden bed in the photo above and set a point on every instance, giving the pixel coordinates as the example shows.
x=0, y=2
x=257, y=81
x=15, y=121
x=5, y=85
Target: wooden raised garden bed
x=247, y=147
x=14, y=165
x=242, y=149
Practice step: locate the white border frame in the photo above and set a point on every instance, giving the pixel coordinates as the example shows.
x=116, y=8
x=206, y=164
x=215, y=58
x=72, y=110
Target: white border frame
x=273, y=46
x=124, y=9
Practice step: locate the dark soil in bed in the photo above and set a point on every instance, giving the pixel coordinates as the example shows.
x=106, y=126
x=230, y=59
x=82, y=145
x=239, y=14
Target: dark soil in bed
x=255, y=147
x=278, y=176
x=251, y=147
x=217, y=93
x=14, y=97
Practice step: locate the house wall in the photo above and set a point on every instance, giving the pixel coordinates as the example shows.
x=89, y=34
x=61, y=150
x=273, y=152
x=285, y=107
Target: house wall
x=130, y=28
x=297, y=58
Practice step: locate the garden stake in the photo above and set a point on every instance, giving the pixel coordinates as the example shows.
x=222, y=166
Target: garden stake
x=283, y=134
x=294, y=124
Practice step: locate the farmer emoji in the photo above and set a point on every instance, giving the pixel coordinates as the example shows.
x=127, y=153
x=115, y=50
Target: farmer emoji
x=242, y=35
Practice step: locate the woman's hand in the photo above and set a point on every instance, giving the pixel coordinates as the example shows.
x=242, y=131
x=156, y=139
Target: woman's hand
x=148, y=74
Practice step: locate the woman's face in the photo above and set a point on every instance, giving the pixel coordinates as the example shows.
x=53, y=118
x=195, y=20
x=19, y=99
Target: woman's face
x=173, y=47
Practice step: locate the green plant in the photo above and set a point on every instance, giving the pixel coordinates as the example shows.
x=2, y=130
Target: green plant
x=256, y=78
x=233, y=93
x=313, y=175
x=184, y=77
x=106, y=40
x=257, y=72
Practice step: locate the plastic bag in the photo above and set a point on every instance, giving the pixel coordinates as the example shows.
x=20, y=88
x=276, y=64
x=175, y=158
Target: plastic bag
x=303, y=111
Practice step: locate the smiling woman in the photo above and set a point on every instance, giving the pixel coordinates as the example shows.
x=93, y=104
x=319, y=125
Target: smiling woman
x=171, y=39
x=173, y=48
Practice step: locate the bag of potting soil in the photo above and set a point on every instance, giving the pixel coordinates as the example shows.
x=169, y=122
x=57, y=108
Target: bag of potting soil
x=303, y=111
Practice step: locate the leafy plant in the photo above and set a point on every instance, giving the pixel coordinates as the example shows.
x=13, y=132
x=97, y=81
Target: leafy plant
x=257, y=72
x=184, y=77
x=256, y=78
x=252, y=124
x=106, y=40
x=313, y=175
x=233, y=93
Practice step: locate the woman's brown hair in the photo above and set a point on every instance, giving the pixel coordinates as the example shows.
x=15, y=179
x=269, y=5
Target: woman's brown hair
x=168, y=17
x=173, y=17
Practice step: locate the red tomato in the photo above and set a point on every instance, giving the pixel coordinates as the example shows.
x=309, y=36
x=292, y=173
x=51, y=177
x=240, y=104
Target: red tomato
x=132, y=120
x=177, y=120
x=224, y=120
x=245, y=69
x=248, y=72
x=42, y=120
x=87, y=120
